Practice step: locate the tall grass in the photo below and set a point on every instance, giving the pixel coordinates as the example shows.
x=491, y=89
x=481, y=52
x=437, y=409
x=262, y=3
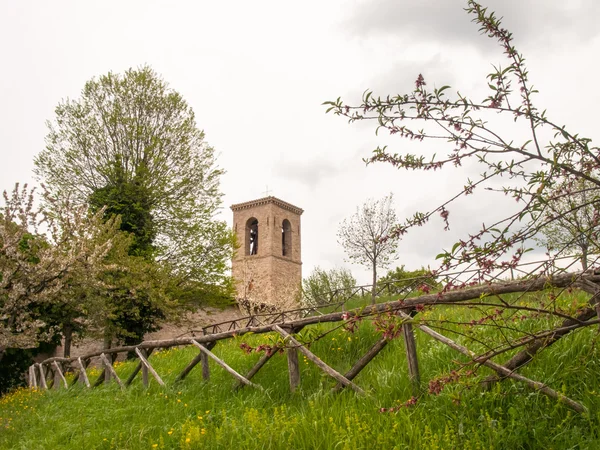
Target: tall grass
x=198, y=414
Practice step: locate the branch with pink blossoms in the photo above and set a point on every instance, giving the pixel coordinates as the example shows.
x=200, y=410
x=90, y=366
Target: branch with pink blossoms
x=532, y=167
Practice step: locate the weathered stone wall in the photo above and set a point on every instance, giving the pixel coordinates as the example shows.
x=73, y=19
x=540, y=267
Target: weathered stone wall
x=269, y=276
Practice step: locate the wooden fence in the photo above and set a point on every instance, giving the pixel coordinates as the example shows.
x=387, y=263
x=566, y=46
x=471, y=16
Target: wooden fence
x=50, y=372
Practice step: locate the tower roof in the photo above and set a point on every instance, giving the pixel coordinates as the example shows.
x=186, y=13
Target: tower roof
x=266, y=200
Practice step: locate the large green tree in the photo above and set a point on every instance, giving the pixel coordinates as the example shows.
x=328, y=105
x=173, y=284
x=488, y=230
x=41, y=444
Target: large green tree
x=131, y=143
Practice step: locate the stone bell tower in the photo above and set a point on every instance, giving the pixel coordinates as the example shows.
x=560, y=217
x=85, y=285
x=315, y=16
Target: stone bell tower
x=267, y=267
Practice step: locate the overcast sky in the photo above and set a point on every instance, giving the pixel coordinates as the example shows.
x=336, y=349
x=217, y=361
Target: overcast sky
x=257, y=72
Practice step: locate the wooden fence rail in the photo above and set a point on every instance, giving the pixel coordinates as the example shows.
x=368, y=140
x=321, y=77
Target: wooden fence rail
x=338, y=299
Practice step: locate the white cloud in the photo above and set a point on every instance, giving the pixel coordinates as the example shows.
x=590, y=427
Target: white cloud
x=256, y=74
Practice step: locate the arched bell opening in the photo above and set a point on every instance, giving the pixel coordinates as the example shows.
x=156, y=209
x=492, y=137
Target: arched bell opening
x=251, y=241
x=286, y=238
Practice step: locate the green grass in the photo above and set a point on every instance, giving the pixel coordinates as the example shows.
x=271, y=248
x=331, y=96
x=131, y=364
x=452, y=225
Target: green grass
x=197, y=414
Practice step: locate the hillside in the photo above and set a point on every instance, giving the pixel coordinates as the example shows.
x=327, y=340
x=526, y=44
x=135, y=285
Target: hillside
x=199, y=414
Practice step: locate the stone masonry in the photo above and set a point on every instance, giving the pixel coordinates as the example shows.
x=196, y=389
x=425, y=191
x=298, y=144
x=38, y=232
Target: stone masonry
x=273, y=275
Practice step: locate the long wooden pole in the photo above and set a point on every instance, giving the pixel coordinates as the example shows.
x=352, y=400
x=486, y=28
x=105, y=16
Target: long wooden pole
x=101, y=378
x=60, y=374
x=108, y=372
x=82, y=372
x=109, y=368
x=260, y=363
x=224, y=365
x=362, y=362
x=536, y=385
x=145, y=380
x=149, y=367
x=77, y=376
x=318, y=362
x=194, y=362
x=137, y=368
x=32, y=377
x=42, y=376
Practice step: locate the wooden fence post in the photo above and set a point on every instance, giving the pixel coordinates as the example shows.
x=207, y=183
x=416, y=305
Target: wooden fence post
x=315, y=359
x=107, y=372
x=110, y=369
x=148, y=367
x=224, y=365
x=142, y=354
x=58, y=376
x=32, y=377
x=293, y=367
x=205, y=366
x=43, y=383
x=362, y=362
x=198, y=358
x=261, y=362
x=138, y=368
x=411, y=357
x=82, y=373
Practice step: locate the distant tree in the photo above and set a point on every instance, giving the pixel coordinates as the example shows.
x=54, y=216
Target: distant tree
x=323, y=286
x=366, y=236
x=572, y=220
x=401, y=281
x=130, y=145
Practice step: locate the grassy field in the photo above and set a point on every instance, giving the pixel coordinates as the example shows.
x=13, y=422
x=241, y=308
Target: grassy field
x=197, y=414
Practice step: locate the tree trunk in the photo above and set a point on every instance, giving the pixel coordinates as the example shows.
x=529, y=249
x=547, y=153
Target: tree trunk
x=107, y=340
x=68, y=334
x=584, y=255
x=374, y=288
